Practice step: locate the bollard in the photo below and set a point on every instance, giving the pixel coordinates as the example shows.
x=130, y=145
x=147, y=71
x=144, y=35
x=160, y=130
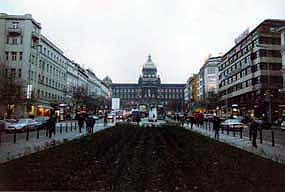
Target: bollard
x=260, y=136
x=272, y=136
x=66, y=127
x=240, y=132
x=15, y=135
x=234, y=131
x=71, y=126
x=28, y=133
x=38, y=132
x=228, y=129
x=60, y=128
x=249, y=133
x=222, y=129
x=46, y=130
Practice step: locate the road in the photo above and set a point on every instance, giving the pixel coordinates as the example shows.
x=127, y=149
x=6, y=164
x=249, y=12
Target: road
x=61, y=128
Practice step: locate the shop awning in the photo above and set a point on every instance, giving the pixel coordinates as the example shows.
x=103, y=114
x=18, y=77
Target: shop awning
x=45, y=107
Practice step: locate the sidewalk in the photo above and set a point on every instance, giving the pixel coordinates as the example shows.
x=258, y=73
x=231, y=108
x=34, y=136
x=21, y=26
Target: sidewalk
x=266, y=150
x=10, y=151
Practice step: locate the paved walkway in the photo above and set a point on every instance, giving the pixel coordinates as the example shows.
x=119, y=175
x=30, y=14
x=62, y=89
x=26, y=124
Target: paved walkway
x=266, y=150
x=22, y=147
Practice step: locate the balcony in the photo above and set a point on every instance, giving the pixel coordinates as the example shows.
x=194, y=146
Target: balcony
x=14, y=31
x=35, y=36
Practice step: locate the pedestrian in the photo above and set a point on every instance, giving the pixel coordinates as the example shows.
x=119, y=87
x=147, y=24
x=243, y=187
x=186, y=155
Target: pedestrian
x=80, y=120
x=51, y=123
x=90, y=122
x=105, y=119
x=192, y=121
x=253, y=129
x=216, y=127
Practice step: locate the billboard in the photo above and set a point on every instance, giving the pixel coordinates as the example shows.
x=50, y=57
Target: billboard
x=115, y=103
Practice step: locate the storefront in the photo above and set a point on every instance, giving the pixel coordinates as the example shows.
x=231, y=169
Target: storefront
x=43, y=110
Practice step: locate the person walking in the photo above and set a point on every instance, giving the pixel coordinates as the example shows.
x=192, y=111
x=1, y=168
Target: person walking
x=105, y=119
x=216, y=127
x=51, y=123
x=192, y=121
x=80, y=120
x=253, y=129
x=90, y=121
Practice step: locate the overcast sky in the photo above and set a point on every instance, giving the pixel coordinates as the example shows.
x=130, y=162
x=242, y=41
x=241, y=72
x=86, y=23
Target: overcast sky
x=114, y=37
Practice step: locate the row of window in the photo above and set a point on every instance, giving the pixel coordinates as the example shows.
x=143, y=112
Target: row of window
x=47, y=67
x=50, y=82
x=253, y=69
x=14, y=40
x=237, y=55
x=53, y=55
x=14, y=56
x=260, y=53
x=12, y=72
x=130, y=95
x=265, y=80
x=139, y=90
x=46, y=95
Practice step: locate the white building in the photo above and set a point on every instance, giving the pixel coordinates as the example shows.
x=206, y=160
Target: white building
x=208, y=79
x=41, y=65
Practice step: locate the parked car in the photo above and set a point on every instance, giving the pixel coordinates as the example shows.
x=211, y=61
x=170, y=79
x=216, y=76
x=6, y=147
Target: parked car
x=208, y=116
x=110, y=115
x=9, y=122
x=233, y=124
x=22, y=125
x=43, y=121
x=283, y=125
x=95, y=117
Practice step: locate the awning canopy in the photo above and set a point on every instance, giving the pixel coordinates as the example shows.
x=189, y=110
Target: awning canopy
x=45, y=107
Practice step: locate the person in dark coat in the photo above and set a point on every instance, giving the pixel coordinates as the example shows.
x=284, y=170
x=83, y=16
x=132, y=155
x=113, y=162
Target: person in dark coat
x=191, y=118
x=80, y=119
x=90, y=122
x=253, y=129
x=51, y=123
x=216, y=127
x=105, y=119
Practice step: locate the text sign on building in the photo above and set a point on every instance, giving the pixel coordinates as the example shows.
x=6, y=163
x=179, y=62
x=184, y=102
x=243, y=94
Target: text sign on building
x=29, y=91
x=115, y=103
x=242, y=36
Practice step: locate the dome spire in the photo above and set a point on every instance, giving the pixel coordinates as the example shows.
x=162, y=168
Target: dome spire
x=149, y=58
x=149, y=63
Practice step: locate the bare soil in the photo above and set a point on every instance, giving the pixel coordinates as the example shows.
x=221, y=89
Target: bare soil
x=127, y=158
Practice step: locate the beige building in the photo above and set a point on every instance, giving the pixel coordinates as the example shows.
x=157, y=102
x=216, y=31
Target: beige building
x=42, y=66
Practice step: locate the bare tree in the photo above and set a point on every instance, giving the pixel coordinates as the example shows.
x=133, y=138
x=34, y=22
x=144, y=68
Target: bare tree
x=11, y=88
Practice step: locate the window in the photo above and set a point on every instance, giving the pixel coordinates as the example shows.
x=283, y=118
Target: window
x=7, y=40
x=21, y=55
x=21, y=40
x=14, y=56
x=13, y=72
x=20, y=73
x=14, y=41
x=15, y=25
x=7, y=56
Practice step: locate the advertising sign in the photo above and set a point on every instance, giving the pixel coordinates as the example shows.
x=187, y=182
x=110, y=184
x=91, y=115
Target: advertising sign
x=115, y=103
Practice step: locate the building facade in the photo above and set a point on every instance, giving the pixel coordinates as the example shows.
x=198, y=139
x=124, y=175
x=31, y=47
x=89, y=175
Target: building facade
x=48, y=76
x=191, y=94
x=208, y=83
x=149, y=91
x=250, y=73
